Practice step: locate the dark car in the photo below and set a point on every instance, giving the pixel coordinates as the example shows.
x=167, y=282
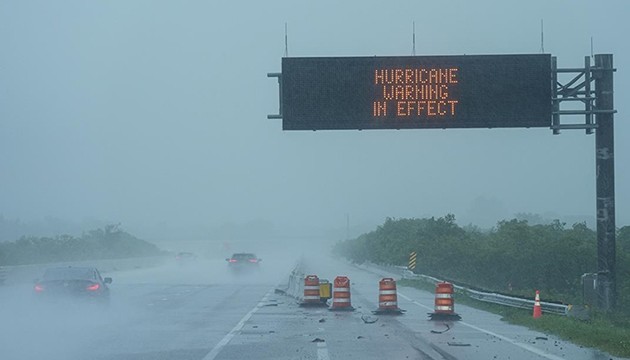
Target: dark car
x=243, y=261
x=73, y=282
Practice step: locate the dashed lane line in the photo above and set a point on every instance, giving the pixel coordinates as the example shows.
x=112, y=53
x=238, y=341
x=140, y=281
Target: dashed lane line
x=227, y=338
x=322, y=351
x=505, y=338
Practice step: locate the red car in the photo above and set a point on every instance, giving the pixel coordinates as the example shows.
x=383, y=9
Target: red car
x=243, y=262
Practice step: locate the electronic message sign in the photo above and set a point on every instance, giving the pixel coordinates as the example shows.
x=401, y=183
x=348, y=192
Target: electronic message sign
x=415, y=92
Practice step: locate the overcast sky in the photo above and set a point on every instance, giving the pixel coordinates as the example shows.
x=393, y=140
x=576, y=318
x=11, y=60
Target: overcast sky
x=153, y=113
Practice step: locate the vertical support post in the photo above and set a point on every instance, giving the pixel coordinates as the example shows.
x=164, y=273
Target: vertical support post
x=587, y=89
x=605, y=172
x=555, y=117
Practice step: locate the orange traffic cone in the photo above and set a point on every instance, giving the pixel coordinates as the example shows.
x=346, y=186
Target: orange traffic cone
x=537, y=308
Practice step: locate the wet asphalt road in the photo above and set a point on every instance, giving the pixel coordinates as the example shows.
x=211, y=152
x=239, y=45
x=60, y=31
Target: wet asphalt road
x=201, y=311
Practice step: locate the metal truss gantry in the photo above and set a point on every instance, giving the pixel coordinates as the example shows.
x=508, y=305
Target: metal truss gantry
x=593, y=87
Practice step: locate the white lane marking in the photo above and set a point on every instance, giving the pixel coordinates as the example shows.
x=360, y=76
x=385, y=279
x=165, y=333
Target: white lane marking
x=413, y=301
x=510, y=340
x=514, y=342
x=322, y=351
x=227, y=338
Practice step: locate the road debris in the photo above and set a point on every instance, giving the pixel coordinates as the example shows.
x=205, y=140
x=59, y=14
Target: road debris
x=368, y=319
x=441, y=332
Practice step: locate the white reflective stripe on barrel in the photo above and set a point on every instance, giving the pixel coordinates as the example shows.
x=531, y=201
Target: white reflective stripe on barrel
x=446, y=308
x=311, y=297
x=388, y=303
x=342, y=290
x=443, y=296
x=341, y=300
x=387, y=292
x=311, y=287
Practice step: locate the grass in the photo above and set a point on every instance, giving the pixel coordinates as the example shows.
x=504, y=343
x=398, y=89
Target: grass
x=607, y=332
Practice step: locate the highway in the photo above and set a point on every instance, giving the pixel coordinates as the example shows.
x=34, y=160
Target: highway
x=201, y=311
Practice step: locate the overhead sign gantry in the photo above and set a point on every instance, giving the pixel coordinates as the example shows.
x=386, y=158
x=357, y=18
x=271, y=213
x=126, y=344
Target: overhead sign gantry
x=468, y=91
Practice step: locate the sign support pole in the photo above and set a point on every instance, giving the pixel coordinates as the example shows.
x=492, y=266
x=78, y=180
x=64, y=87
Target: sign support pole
x=605, y=173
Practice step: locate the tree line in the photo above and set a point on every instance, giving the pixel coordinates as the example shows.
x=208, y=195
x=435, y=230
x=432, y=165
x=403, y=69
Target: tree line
x=109, y=242
x=514, y=257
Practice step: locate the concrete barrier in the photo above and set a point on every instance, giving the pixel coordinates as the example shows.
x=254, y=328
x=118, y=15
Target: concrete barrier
x=295, y=285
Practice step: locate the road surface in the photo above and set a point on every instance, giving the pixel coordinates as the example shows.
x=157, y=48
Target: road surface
x=201, y=311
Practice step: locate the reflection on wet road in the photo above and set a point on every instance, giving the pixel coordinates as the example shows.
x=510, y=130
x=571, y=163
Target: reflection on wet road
x=202, y=311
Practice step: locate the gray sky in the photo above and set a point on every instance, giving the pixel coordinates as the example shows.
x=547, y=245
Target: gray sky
x=153, y=113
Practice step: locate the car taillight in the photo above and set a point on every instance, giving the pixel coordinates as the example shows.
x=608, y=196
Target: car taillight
x=253, y=260
x=232, y=260
x=93, y=287
x=38, y=288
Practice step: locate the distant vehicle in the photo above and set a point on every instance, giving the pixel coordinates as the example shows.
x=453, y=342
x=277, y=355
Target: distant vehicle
x=184, y=257
x=73, y=282
x=243, y=261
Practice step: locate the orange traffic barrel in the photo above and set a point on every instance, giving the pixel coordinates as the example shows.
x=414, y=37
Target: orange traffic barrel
x=387, y=297
x=444, y=302
x=311, y=291
x=341, y=294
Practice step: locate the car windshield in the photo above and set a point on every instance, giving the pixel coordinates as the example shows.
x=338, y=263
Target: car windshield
x=70, y=274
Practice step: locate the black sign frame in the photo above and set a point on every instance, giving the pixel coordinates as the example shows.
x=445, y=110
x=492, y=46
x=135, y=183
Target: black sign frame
x=467, y=91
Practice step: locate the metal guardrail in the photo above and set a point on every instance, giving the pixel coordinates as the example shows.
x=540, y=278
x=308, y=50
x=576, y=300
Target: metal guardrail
x=553, y=308
x=504, y=300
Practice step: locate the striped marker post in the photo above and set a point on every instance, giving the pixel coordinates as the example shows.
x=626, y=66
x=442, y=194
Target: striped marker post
x=412, y=261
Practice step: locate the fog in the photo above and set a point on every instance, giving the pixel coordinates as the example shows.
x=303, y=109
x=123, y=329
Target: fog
x=152, y=114
x=148, y=306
